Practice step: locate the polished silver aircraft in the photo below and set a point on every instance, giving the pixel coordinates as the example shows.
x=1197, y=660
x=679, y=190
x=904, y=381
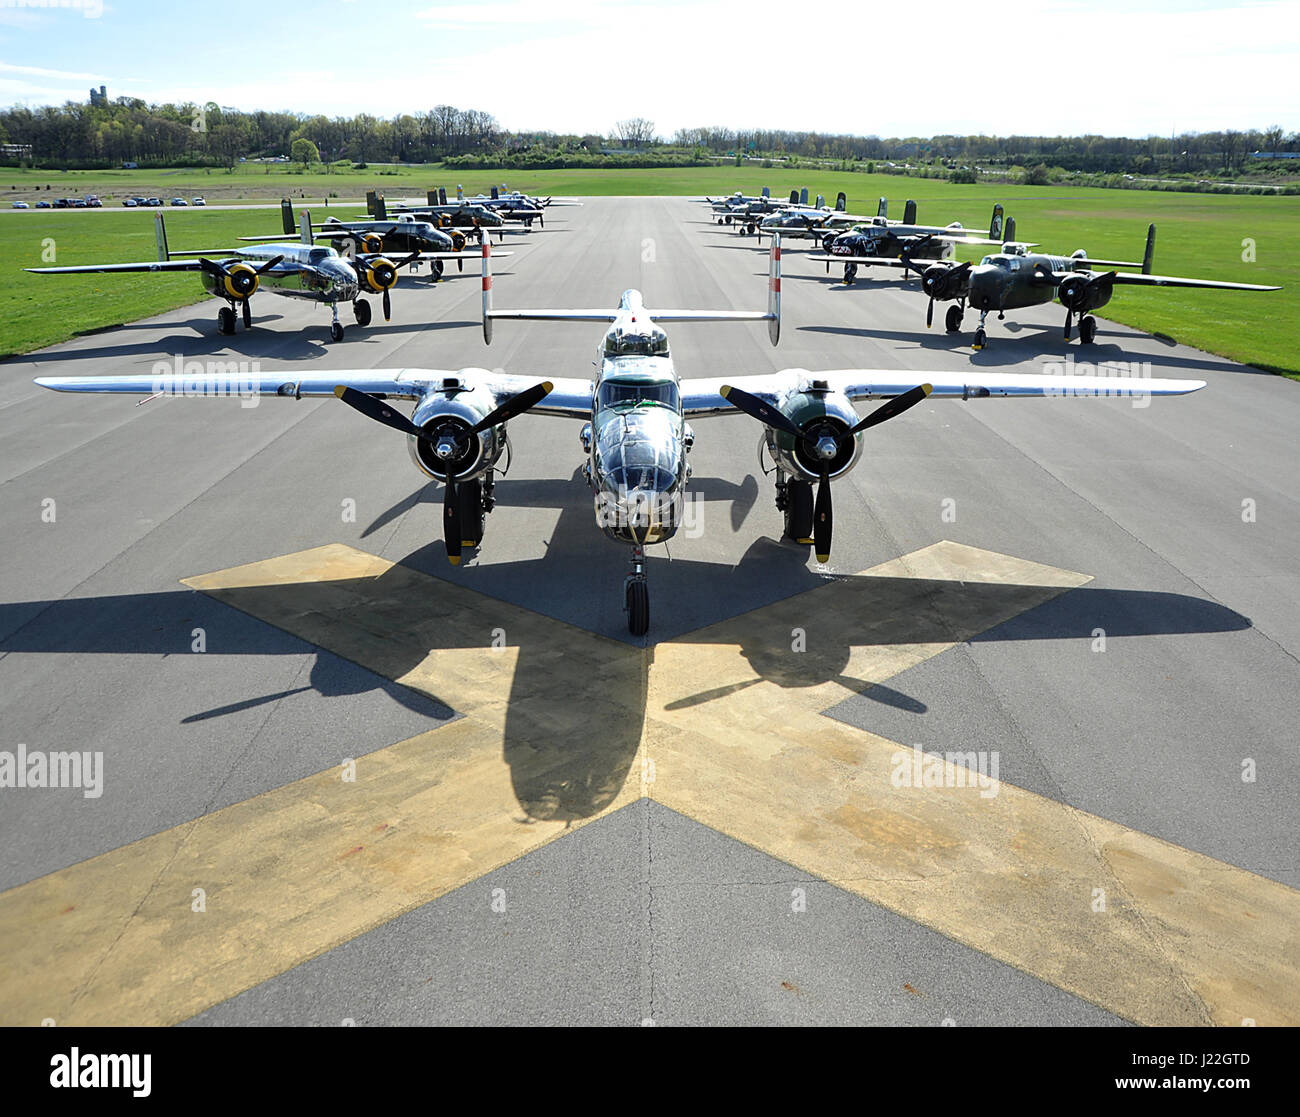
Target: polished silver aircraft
x=296, y=269
x=636, y=437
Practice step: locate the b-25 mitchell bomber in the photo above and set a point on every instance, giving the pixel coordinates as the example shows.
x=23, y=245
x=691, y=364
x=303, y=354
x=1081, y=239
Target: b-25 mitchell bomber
x=1015, y=278
x=297, y=270
x=637, y=433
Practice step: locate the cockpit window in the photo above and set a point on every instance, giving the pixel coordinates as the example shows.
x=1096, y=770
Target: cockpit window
x=622, y=342
x=615, y=393
x=319, y=255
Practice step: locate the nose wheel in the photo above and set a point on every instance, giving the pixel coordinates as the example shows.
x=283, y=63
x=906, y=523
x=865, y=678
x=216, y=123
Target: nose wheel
x=336, y=327
x=981, y=337
x=636, y=595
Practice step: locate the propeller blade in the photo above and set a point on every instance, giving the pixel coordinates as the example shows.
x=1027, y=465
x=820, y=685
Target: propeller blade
x=248, y=313
x=269, y=265
x=388, y=306
x=892, y=408
x=374, y=408
x=929, y=313
x=212, y=267
x=515, y=405
x=1069, y=320
x=757, y=409
x=451, y=522
x=822, y=519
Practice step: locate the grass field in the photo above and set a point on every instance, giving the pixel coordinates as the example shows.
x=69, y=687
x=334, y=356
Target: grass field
x=1198, y=235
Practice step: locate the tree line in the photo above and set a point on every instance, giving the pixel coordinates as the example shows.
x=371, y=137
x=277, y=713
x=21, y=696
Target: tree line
x=129, y=130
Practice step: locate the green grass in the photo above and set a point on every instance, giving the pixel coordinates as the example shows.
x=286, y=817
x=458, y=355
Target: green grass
x=1198, y=235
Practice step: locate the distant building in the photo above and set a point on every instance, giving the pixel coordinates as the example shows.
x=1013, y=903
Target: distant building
x=1275, y=154
x=100, y=96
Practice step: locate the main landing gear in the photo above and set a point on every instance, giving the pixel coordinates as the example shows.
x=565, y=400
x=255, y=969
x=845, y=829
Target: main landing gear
x=850, y=273
x=1087, y=329
x=794, y=498
x=226, y=320
x=361, y=311
x=952, y=320
x=636, y=594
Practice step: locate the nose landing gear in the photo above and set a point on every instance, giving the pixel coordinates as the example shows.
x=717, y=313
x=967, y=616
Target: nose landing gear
x=636, y=594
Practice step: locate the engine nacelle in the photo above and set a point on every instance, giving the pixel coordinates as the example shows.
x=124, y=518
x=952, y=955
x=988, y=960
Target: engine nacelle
x=377, y=274
x=940, y=282
x=240, y=281
x=1081, y=293
x=451, y=410
x=818, y=412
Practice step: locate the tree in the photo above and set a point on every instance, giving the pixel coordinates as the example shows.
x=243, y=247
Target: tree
x=304, y=151
x=637, y=132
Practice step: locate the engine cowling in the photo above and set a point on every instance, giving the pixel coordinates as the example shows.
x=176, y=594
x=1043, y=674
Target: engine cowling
x=240, y=281
x=451, y=410
x=378, y=274
x=1083, y=293
x=818, y=413
x=940, y=282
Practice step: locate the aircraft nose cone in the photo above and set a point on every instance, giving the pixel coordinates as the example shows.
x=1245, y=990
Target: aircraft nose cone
x=985, y=287
x=445, y=448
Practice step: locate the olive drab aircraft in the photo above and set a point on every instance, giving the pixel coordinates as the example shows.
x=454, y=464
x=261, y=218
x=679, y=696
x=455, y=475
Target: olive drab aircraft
x=903, y=240
x=402, y=234
x=299, y=270
x=637, y=415
x=453, y=217
x=1016, y=278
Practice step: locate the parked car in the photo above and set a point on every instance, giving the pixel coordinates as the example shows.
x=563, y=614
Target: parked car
x=21, y=205
x=130, y=203
x=62, y=203
x=153, y=201
x=200, y=202
x=80, y=203
x=43, y=205
x=179, y=202
x=92, y=200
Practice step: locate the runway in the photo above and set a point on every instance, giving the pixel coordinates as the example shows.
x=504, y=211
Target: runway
x=549, y=821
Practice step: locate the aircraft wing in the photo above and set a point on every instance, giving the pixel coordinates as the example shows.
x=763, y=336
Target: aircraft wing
x=916, y=265
x=569, y=398
x=1178, y=281
x=143, y=265
x=703, y=397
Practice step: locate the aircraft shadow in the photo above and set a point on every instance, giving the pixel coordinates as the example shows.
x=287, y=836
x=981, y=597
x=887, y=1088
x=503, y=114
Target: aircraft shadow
x=1032, y=342
x=569, y=753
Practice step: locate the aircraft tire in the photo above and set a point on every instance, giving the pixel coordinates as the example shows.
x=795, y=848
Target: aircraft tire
x=472, y=515
x=361, y=311
x=336, y=331
x=638, y=606
x=1087, y=329
x=952, y=320
x=980, y=339
x=226, y=321
x=436, y=266
x=799, y=510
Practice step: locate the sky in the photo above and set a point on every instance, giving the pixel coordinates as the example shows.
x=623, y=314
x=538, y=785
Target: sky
x=1037, y=67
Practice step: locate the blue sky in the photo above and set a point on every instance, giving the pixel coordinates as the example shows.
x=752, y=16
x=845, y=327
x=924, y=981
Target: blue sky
x=1028, y=66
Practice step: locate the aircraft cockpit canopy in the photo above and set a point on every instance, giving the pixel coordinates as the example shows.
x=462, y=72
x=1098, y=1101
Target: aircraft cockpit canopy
x=615, y=393
x=644, y=341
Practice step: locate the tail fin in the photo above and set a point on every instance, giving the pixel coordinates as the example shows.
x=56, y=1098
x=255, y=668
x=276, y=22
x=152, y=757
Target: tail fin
x=286, y=217
x=774, y=291
x=370, y=205
x=495, y=195
x=794, y=197
x=842, y=201
x=431, y=196
x=821, y=201
x=442, y=195
x=460, y=193
x=995, y=223
x=1149, y=256
x=803, y=196
x=304, y=227
x=909, y=212
x=767, y=191
x=1011, y=231
x=381, y=210
x=160, y=235
x=882, y=210
x=487, y=290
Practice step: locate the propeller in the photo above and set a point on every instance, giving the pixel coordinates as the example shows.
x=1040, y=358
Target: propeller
x=448, y=443
x=241, y=281
x=824, y=444
x=906, y=256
